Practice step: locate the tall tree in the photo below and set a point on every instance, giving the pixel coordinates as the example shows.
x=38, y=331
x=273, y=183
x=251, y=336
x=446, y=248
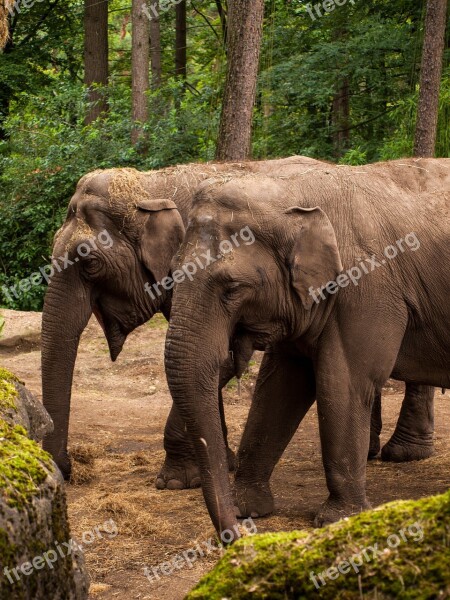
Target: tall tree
x=96, y=54
x=4, y=24
x=155, y=45
x=140, y=64
x=430, y=78
x=245, y=24
x=180, y=40
x=340, y=116
x=340, y=108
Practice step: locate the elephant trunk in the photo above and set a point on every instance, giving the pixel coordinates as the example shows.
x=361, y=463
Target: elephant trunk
x=67, y=309
x=192, y=366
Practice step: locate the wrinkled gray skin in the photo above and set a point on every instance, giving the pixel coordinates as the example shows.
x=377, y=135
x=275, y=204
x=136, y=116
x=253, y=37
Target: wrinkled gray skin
x=144, y=215
x=110, y=283
x=413, y=435
x=338, y=352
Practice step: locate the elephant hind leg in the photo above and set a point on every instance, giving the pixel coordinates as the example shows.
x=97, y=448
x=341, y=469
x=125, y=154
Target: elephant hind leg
x=413, y=435
x=375, y=427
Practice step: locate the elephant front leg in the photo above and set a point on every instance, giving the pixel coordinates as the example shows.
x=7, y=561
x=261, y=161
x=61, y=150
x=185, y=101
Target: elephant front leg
x=180, y=470
x=349, y=374
x=284, y=392
x=344, y=425
x=413, y=435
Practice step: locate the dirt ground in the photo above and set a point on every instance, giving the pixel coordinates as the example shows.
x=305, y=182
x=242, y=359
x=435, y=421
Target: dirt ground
x=118, y=415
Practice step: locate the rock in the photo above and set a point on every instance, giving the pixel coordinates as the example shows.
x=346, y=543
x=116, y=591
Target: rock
x=37, y=560
x=23, y=408
x=399, y=550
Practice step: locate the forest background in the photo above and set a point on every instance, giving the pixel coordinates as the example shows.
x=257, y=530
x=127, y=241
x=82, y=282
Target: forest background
x=342, y=87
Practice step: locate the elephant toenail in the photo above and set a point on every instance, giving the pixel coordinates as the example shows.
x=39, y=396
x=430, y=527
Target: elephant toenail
x=174, y=484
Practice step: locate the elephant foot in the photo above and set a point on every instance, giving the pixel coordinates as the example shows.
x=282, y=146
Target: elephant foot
x=178, y=476
x=182, y=475
x=332, y=511
x=374, y=447
x=253, y=500
x=396, y=451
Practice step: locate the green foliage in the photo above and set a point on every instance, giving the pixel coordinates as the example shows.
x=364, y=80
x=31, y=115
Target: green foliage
x=355, y=157
x=47, y=153
x=372, y=49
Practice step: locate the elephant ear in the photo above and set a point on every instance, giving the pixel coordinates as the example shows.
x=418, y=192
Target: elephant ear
x=315, y=258
x=162, y=234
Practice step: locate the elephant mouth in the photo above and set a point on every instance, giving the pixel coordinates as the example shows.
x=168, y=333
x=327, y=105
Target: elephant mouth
x=257, y=337
x=114, y=333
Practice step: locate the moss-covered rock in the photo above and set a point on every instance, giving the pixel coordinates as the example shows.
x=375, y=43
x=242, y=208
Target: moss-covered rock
x=8, y=392
x=19, y=407
x=33, y=514
x=23, y=465
x=399, y=550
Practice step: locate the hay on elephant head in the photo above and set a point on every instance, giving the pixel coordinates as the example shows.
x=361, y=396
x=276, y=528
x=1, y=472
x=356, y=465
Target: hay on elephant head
x=4, y=27
x=127, y=188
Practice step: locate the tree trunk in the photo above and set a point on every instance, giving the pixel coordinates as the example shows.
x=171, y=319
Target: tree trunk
x=430, y=78
x=140, y=59
x=6, y=92
x=245, y=23
x=155, y=42
x=180, y=40
x=4, y=22
x=340, y=115
x=95, y=54
x=340, y=108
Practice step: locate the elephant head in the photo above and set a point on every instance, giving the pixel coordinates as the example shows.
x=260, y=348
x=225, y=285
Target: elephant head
x=118, y=236
x=260, y=257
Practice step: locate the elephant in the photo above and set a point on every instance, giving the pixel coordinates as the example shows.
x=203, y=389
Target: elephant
x=141, y=218
x=146, y=214
x=328, y=335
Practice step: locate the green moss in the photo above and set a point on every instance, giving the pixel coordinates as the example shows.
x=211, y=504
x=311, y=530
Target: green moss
x=8, y=376
x=22, y=461
x=8, y=392
x=279, y=565
x=8, y=551
x=23, y=465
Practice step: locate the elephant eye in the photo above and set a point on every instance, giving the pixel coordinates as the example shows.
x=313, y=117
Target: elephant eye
x=92, y=265
x=230, y=290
